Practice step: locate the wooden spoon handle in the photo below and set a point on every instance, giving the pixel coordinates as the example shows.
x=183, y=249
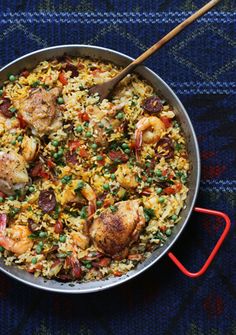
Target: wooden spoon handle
x=174, y=32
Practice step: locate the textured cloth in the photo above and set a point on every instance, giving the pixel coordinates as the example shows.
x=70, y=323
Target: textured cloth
x=200, y=66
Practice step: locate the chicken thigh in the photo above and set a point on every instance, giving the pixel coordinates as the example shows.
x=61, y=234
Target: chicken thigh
x=113, y=232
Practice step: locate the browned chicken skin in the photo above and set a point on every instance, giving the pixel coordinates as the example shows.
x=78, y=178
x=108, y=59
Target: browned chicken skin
x=39, y=110
x=113, y=233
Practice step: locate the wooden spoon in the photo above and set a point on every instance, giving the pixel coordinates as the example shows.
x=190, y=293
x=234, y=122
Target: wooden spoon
x=107, y=87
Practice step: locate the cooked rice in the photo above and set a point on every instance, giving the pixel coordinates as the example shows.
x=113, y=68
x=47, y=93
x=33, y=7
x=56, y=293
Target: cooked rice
x=162, y=210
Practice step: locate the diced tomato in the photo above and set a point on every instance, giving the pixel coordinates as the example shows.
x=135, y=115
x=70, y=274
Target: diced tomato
x=62, y=78
x=73, y=145
x=164, y=172
x=3, y=195
x=178, y=187
x=83, y=116
x=169, y=190
x=50, y=163
x=58, y=228
x=25, y=73
x=101, y=162
x=105, y=261
x=23, y=123
x=117, y=273
x=132, y=145
x=106, y=203
x=83, y=153
x=167, y=121
x=118, y=156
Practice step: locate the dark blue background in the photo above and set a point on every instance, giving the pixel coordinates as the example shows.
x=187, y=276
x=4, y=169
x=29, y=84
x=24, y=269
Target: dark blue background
x=200, y=66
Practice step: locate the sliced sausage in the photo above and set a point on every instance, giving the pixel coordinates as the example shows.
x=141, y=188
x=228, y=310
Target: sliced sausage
x=73, y=69
x=47, y=201
x=153, y=105
x=4, y=107
x=166, y=144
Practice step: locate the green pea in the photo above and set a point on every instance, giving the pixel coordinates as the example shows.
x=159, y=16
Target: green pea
x=161, y=200
x=1, y=199
x=55, y=155
x=38, y=249
x=162, y=178
x=168, y=232
x=43, y=234
x=158, y=173
x=106, y=187
x=13, y=142
x=60, y=100
x=148, y=164
x=62, y=238
x=34, y=260
x=41, y=244
x=1, y=92
x=159, y=190
x=127, y=151
x=99, y=203
x=12, y=78
x=99, y=158
x=120, y=116
x=11, y=198
x=124, y=146
x=184, y=179
x=1, y=249
x=35, y=84
x=12, y=109
x=113, y=208
x=149, y=180
x=88, y=134
x=20, y=138
x=55, y=143
x=80, y=185
x=83, y=213
x=79, y=129
x=31, y=189
x=60, y=152
x=174, y=217
x=86, y=124
x=88, y=265
x=113, y=176
x=94, y=146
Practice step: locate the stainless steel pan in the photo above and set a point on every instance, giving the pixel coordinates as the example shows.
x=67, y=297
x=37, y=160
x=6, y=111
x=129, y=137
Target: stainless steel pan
x=29, y=61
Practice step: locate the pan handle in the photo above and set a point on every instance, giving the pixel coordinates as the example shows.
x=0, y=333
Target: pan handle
x=215, y=249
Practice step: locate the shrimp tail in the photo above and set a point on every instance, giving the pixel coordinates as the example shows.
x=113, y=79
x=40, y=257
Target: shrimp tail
x=92, y=207
x=5, y=242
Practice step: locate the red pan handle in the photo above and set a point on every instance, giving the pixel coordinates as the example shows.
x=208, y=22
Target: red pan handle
x=215, y=249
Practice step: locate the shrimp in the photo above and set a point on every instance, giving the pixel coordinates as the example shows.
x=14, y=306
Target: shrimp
x=148, y=130
x=89, y=194
x=13, y=173
x=126, y=176
x=71, y=194
x=17, y=240
x=30, y=148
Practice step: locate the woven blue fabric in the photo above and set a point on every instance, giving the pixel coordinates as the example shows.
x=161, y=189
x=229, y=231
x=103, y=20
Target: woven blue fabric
x=200, y=66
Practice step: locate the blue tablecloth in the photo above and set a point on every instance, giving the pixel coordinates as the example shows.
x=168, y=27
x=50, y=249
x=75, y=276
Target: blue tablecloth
x=200, y=66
